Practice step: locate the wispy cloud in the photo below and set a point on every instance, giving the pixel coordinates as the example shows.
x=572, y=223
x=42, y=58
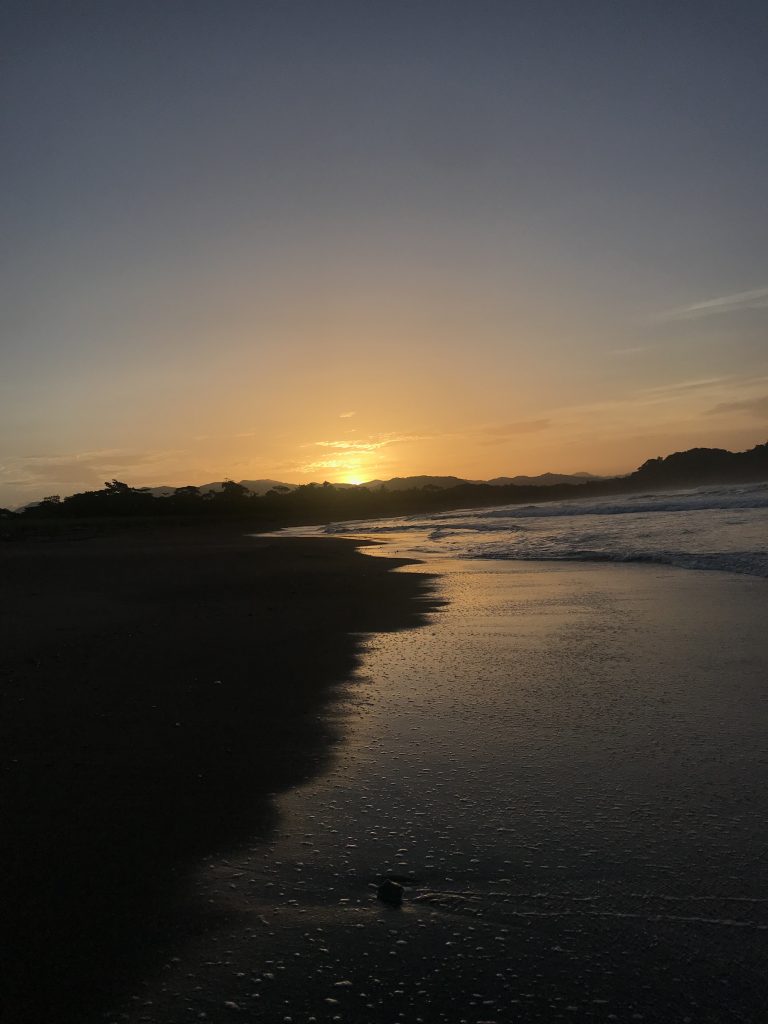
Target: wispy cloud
x=85, y=469
x=353, y=446
x=497, y=435
x=368, y=444
x=519, y=427
x=724, y=385
x=354, y=454
x=698, y=384
x=226, y=437
x=738, y=302
x=346, y=415
x=753, y=406
x=633, y=350
x=323, y=464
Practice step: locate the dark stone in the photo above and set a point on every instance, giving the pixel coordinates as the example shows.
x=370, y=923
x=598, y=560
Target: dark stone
x=390, y=892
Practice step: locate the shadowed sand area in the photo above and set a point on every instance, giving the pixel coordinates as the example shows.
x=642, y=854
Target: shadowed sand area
x=567, y=767
x=156, y=692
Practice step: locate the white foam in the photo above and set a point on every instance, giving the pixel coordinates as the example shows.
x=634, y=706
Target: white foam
x=717, y=528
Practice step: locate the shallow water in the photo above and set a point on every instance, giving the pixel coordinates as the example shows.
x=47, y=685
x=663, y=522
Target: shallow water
x=719, y=528
x=567, y=769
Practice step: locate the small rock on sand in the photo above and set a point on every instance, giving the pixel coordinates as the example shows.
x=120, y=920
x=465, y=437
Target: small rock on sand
x=390, y=892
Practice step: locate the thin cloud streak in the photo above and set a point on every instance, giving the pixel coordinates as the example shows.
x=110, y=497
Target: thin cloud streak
x=633, y=350
x=85, y=468
x=703, y=383
x=358, y=455
x=739, y=302
x=753, y=406
x=513, y=429
x=367, y=445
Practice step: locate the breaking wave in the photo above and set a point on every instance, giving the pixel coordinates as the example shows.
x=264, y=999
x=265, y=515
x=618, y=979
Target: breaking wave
x=722, y=528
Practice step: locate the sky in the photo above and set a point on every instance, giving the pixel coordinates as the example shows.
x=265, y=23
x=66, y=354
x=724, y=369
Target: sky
x=328, y=240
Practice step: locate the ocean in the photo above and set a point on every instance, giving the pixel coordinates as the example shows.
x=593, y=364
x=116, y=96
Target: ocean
x=723, y=528
x=565, y=767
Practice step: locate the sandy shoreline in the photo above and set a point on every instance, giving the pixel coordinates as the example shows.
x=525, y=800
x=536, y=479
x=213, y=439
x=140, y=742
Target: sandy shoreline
x=156, y=690
x=566, y=764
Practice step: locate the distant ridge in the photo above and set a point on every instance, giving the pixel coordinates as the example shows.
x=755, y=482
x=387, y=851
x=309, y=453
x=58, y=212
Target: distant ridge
x=254, y=486
x=544, y=479
x=694, y=467
x=697, y=467
x=397, y=483
x=408, y=483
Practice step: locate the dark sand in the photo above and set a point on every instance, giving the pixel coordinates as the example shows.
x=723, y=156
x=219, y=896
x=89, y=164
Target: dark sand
x=568, y=765
x=157, y=690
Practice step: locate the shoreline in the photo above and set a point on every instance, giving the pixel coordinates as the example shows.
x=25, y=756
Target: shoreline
x=566, y=770
x=564, y=767
x=158, y=690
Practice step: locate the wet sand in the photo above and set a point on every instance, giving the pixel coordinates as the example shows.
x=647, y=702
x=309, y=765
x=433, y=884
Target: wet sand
x=158, y=689
x=567, y=768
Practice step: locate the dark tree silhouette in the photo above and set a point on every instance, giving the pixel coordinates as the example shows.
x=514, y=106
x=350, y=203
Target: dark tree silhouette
x=316, y=503
x=232, y=491
x=117, y=487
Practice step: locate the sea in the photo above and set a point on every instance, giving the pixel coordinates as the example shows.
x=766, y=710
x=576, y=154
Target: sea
x=721, y=528
x=564, y=766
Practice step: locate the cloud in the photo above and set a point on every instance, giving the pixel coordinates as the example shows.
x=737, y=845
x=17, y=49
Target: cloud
x=724, y=384
x=346, y=415
x=370, y=444
x=754, y=406
x=226, y=437
x=320, y=464
x=353, y=446
x=699, y=384
x=739, y=302
x=504, y=430
x=89, y=468
x=633, y=350
x=353, y=455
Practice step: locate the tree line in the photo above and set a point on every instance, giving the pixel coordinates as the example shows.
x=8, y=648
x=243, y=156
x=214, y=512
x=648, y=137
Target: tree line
x=320, y=503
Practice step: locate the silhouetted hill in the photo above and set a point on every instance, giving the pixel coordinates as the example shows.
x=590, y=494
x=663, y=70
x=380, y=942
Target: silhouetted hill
x=289, y=505
x=398, y=483
x=254, y=486
x=257, y=487
x=410, y=483
x=545, y=479
x=699, y=466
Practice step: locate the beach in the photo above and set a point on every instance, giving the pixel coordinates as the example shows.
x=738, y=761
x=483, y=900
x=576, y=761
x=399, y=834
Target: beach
x=158, y=688
x=564, y=766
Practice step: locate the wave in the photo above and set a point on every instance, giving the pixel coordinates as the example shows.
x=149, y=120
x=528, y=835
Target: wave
x=721, y=528
x=750, y=563
x=629, y=506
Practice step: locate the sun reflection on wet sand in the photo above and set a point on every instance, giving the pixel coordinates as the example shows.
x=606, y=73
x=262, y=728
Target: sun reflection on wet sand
x=564, y=769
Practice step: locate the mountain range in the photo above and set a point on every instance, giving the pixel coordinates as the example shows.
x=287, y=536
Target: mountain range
x=401, y=483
